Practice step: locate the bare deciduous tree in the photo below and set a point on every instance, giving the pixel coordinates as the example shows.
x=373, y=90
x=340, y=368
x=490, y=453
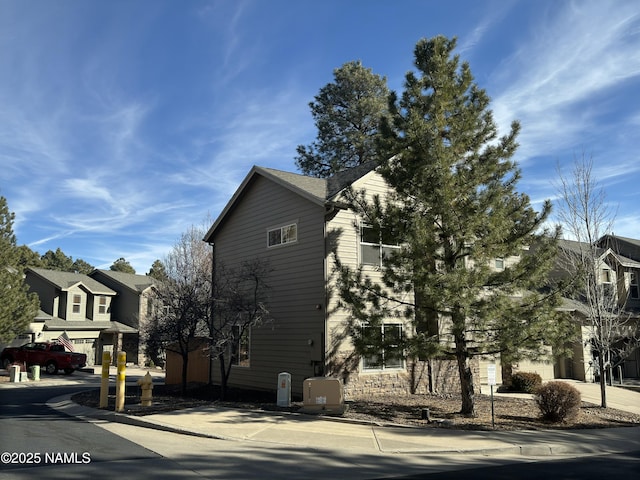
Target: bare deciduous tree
x=586, y=217
x=182, y=300
x=239, y=304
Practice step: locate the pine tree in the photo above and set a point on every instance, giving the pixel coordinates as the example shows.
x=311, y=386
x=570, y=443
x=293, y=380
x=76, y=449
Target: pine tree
x=121, y=265
x=57, y=261
x=348, y=114
x=17, y=306
x=454, y=210
x=158, y=271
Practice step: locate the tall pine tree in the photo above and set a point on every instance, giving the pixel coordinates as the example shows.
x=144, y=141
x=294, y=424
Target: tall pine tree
x=348, y=114
x=454, y=210
x=17, y=306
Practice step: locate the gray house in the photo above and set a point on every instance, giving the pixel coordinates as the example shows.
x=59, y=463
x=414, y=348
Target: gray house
x=618, y=267
x=131, y=306
x=297, y=223
x=78, y=305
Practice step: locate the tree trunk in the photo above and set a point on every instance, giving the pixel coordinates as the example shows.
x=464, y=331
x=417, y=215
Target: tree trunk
x=223, y=379
x=507, y=371
x=603, y=381
x=466, y=377
x=185, y=366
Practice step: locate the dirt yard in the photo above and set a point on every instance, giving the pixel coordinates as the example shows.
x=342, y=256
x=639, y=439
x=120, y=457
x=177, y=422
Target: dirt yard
x=510, y=413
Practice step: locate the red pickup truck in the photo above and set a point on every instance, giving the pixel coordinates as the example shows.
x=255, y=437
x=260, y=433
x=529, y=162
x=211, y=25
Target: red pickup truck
x=51, y=356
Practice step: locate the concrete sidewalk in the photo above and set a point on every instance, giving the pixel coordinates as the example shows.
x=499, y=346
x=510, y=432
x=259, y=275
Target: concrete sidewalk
x=617, y=397
x=336, y=434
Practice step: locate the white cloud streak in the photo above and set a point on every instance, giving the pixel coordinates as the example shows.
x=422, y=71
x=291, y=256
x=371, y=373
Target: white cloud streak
x=555, y=83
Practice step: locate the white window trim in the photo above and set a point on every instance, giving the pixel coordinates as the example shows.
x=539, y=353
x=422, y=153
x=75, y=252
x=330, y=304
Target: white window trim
x=74, y=303
x=282, y=234
x=101, y=305
x=380, y=246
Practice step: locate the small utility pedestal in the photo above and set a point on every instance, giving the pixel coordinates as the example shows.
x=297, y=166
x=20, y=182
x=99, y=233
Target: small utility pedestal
x=284, y=390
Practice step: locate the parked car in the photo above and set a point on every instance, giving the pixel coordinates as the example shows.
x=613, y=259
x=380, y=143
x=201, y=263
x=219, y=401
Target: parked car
x=50, y=356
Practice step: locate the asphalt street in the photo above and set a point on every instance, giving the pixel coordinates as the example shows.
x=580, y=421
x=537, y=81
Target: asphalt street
x=30, y=425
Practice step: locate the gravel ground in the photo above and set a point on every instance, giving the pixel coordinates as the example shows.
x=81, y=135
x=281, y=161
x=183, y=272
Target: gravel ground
x=510, y=413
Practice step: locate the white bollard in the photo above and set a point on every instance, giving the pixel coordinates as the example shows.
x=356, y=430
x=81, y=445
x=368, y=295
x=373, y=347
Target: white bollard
x=14, y=373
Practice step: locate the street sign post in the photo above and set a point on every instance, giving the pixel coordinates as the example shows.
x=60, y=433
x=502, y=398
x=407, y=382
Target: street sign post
x=491, y=380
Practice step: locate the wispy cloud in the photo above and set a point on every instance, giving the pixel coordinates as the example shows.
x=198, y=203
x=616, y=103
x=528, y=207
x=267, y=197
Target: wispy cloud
x=554, y=83
x=495, y=12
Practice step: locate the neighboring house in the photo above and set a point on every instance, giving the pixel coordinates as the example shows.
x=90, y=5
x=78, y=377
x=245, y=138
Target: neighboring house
x=78, y=305
x=132, y=306
x=296, y=223
x=618, y=272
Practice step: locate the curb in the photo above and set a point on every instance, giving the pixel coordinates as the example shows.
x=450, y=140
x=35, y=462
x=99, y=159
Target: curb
x=65, y=405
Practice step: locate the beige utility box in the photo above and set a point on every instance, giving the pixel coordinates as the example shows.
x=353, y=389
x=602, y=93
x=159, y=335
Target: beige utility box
x=323, y=394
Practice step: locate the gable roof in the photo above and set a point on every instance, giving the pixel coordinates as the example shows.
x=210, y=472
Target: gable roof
x=66, y=280
x=576, y=247
x=615, y=238
x=137, y=283
x=626, y=262
x=321, y=191
x=630, y=247
x=606, y=246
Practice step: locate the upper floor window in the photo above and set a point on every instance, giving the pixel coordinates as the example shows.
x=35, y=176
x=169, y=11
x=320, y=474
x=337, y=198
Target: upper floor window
x=374, y=247
x=77, y=303
x=605, y=275
x=102, y=304
x=385, y=344
x=282, y=235
x=633, y=285
x=499, y=263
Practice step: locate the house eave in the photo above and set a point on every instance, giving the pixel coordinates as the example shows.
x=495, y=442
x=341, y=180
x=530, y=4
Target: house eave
x=255, y=171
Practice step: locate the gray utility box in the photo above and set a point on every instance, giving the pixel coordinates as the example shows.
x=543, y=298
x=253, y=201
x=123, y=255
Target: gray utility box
x=323, y=394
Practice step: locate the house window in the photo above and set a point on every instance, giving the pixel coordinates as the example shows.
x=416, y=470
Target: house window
x=282, y=235
x=240, y=346
x=633, y=285
x=149, y=307
x=499, y=264
x=76, y=304
x=374, y=247
x=102, y=304
x=384, y=346
x=606, y=275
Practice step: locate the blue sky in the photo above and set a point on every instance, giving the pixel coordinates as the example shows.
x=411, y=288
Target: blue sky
x=123, y=123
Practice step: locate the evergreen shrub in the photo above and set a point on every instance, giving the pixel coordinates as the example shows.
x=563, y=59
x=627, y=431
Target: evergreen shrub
x=526, y=382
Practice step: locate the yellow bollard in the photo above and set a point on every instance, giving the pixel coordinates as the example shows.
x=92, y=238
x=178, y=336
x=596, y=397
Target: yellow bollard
x=146, y=384
x=120, y=385
x=104, y=381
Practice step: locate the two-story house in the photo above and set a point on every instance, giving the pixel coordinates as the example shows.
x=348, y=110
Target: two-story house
x=131, y=307
x=617, y=266
x=298, y=223
x=78, y=305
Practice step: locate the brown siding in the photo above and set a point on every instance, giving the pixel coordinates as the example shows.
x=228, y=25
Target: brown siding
x=296, y=281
